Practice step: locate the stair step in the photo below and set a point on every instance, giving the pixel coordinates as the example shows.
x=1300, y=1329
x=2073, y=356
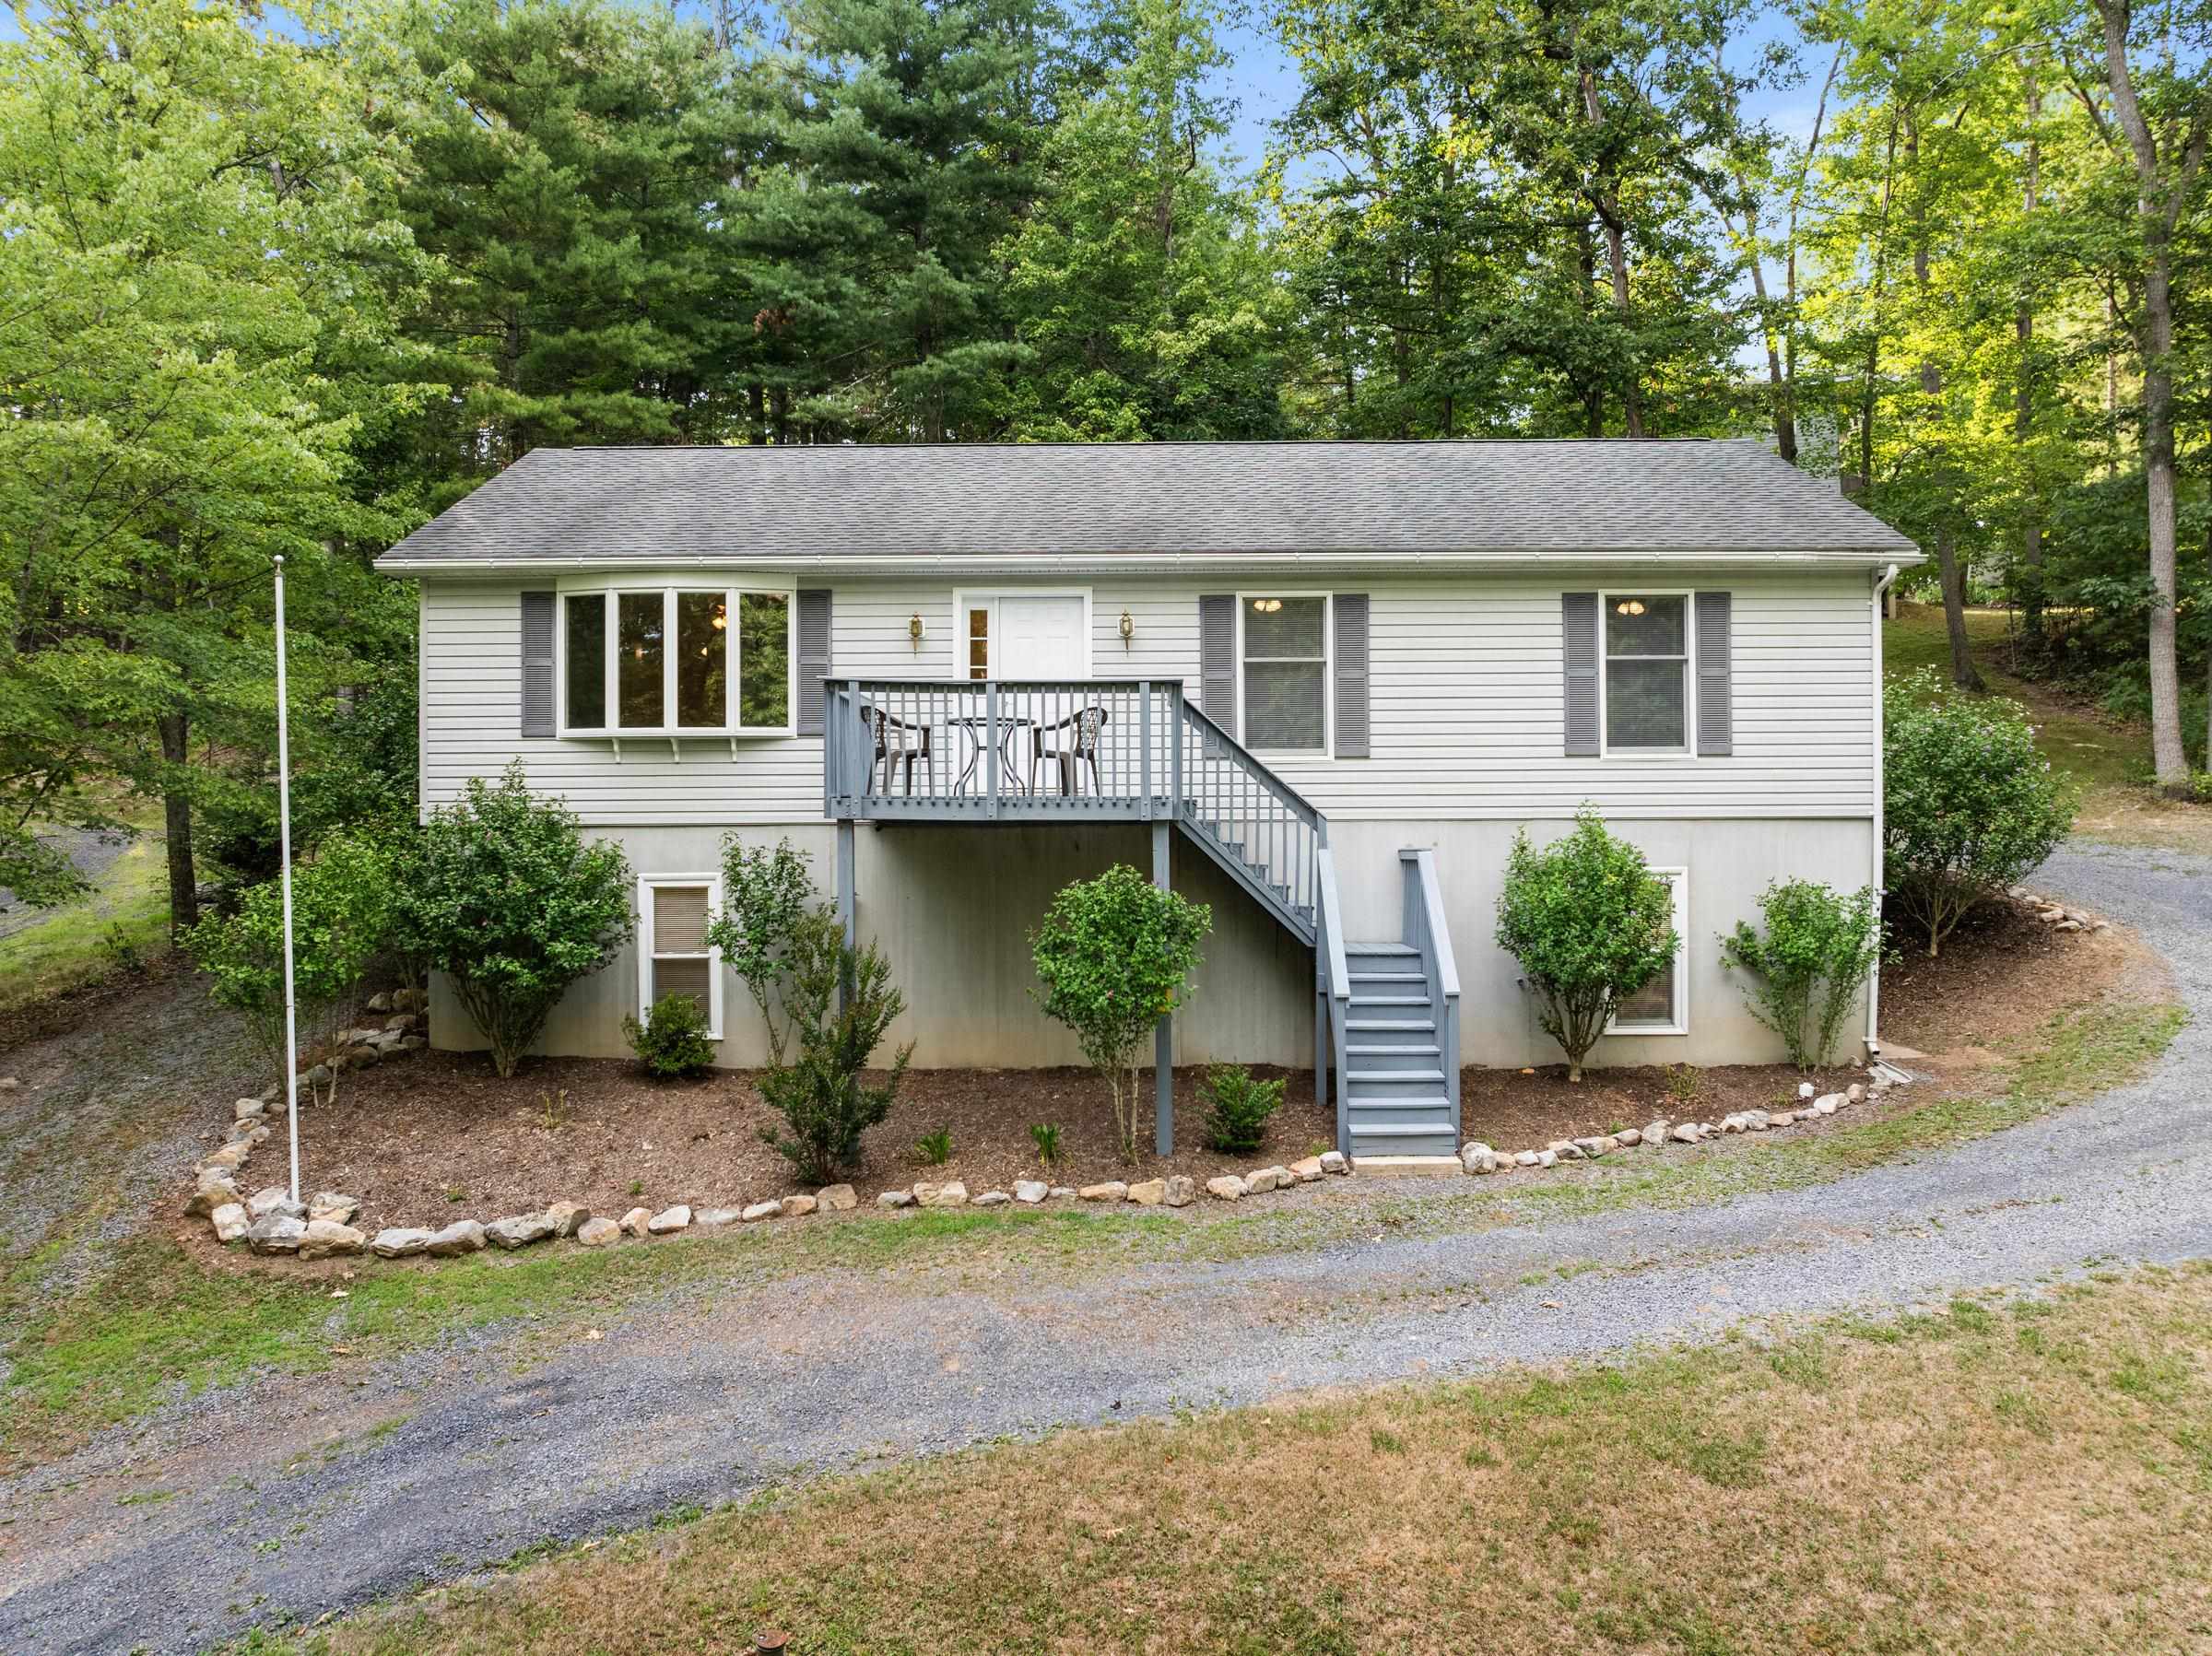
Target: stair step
x=1357, y=1079
x=1360, y=1002
x=1388, y=977
x=1374, y=951
x=1409, y=1050
x=1363, y=1131
x=1411, y=1109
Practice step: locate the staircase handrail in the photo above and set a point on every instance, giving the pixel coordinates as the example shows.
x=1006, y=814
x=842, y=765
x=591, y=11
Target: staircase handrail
x=1426, y=928
x=1303, y=809
x=1336, y=987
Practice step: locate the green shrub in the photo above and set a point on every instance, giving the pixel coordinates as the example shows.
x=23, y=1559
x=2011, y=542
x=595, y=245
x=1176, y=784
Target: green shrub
x=510, y=903
x=1589, y=924
x=1969, y=804
x=1115, y=955
x=935, y=1148
x=1045, y=1136
x=1237, y=1107
x=1808, y=964
x=342, y=919
x=765, y=895
x=818, y=1092
x=672, y=1039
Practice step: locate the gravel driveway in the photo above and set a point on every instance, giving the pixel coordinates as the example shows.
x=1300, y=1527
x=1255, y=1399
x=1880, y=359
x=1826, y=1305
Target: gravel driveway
x=703, y=1399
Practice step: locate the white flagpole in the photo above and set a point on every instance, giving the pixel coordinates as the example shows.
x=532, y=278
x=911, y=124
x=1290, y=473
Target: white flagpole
x=284, y=842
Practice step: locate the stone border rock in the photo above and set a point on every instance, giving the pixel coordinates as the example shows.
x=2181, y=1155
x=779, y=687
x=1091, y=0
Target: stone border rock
x=271, y=1224
x=1478, y=1158
x=2055, y=914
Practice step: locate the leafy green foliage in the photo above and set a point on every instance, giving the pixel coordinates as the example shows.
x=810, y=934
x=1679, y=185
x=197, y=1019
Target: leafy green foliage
x=509, y=901
x=342, y=920
x=765, y=895
x=934, y=1147
x=1589, y=924
x=1237, y=1107
x=1045, y=1136
x=673, y=1040
x=1969, y=804
x=1807, y=962
x=819, y=1093
x=1115, y=956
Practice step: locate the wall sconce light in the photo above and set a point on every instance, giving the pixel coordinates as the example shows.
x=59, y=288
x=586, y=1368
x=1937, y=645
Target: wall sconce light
x=1128, y=629
x=914, y=629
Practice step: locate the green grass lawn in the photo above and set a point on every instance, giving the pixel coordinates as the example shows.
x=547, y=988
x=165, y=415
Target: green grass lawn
x=2110, y=757
x=125, y=918
x=2002, y=1473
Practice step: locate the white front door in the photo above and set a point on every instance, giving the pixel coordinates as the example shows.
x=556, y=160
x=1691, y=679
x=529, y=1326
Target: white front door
x=1039, y=638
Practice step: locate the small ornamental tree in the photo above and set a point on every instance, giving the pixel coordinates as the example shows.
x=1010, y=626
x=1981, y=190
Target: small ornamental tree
x=1969, y=804
x=819, y=1093
x=342, y=919
x=511, y=903
x=1115, y=956
x=765, y=895
x=1808, y=964
x=1589, y=924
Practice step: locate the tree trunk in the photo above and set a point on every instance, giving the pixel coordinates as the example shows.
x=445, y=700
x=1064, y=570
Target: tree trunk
x=2023, y=404
x=1953, y=575
x=1607, y=201
x=2162, y=185
x=176, y=812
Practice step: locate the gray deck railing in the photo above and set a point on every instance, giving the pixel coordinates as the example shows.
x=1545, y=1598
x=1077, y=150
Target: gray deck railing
x=1269, y=826
x=1001, y=749
x=1333, y=995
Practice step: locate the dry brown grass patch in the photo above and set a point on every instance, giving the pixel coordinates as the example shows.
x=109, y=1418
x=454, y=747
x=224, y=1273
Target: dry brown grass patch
x=2024, y=1476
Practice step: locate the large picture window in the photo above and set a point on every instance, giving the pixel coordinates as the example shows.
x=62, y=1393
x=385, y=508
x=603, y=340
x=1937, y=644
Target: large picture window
x=1662, y=1006
x=1647, y=671
x=1283, y=667
x=668, y=661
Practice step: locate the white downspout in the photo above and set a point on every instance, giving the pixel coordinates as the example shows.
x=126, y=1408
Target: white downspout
x=1873, y=978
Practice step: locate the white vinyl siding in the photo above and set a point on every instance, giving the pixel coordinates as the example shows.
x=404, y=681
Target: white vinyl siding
x=1466, y=720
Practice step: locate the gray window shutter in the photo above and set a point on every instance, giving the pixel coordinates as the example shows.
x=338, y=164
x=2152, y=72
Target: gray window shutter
x=1217, y=659
x=1716, y=712
x=1578, y=621
x=537, y=664
x=1351, y=675
x=814, y=657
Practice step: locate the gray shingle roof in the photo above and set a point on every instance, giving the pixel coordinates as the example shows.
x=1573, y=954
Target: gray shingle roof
x=1542, y=500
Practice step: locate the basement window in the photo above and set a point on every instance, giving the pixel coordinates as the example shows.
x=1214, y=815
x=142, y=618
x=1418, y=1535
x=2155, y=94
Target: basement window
x=1662, y=1006
x=673, y=954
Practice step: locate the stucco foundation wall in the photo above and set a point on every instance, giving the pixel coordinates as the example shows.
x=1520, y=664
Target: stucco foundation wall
x=954, y=907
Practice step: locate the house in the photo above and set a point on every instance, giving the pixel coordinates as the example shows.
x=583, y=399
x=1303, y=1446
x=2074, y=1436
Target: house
x=1317, y=685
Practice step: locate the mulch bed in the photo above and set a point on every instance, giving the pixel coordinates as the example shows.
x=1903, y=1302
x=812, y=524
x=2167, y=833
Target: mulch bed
x=439, y=1136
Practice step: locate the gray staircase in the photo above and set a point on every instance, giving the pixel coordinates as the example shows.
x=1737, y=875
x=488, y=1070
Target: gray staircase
x=1398, y=1098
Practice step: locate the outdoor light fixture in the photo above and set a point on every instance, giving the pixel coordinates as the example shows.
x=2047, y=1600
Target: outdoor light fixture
x=1128, y=629
x=914, y=629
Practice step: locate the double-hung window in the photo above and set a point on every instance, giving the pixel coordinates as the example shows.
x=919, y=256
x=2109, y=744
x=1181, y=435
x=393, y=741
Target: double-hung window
x=1283, y=671
x=1662, y=1006
x=677, y=660
x=673, y=953
x=1648, y=672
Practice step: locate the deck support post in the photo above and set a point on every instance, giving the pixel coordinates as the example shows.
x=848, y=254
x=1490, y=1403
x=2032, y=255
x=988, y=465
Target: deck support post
x=848, y=918
x=1163, y=1035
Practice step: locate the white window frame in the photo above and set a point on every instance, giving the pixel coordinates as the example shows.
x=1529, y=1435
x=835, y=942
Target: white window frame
x=1678, y=888
x=647, y=885
x=1688, y=750
x=611, y=588
x=986, y=598
x=1327, y=750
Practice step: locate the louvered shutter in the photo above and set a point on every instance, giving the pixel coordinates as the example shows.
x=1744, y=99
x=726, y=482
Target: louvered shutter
x=1217, y=658
x=1351, y=675
x=537, y=664
x=1578, y=621
x=814, y=657
x=1716, y=712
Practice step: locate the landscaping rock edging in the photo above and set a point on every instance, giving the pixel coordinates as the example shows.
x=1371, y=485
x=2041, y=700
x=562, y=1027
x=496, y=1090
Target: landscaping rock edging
x=273, y=1224
x=1478, y=1158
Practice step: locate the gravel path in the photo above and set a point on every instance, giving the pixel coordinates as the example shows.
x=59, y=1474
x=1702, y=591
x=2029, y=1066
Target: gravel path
x=446, y=1462
x=93, y=854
